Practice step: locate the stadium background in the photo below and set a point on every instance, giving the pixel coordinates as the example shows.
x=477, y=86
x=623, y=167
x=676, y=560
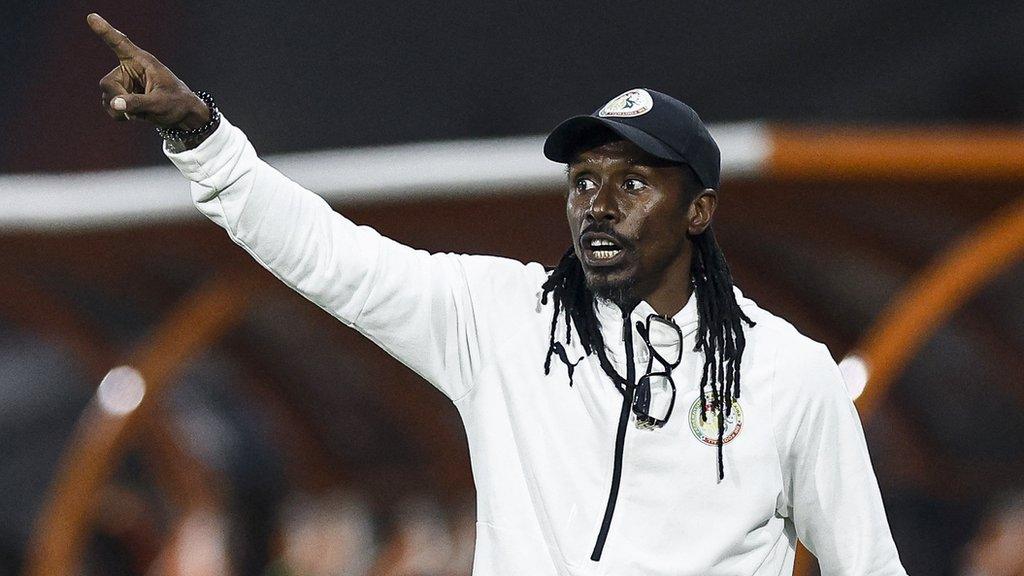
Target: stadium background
x=272, y=440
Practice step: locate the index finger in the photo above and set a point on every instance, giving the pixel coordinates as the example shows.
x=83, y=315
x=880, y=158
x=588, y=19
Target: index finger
x=112, y=37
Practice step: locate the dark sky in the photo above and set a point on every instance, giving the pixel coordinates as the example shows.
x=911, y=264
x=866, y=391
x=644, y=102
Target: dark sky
x=320, y=73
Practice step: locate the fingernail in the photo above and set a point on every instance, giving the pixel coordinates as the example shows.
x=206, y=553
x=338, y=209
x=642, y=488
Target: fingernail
x=118, y=104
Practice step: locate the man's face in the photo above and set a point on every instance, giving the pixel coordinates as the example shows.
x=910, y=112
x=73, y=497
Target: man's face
x=627, y=213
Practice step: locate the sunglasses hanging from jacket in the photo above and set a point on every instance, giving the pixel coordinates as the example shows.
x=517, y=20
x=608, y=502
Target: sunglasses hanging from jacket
x=650, y=398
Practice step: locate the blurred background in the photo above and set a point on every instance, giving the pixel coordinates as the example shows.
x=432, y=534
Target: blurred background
x=167, y=407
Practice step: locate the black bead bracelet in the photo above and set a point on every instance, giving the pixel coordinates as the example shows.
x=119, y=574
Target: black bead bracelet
x=180, y=136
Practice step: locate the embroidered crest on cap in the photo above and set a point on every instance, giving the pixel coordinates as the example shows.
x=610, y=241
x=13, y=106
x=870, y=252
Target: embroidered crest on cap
x=628, y=104
x=707, y=430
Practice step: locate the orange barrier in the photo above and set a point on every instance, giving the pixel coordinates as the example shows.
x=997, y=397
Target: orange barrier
x=916, y=154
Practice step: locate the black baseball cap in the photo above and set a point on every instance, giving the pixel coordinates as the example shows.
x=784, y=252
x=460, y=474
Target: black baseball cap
x=659, y=124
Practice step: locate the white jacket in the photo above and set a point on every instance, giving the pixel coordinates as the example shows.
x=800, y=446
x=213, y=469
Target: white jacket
x=543, y=452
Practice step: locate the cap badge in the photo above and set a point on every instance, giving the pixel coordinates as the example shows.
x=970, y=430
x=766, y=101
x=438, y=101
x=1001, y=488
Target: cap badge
x=628, y=104
x=707, y=430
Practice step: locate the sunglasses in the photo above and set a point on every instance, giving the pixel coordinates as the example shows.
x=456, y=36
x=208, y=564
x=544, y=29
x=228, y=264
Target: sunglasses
x=655, y=392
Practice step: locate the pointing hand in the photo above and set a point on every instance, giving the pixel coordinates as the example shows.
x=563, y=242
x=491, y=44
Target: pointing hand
x=141, y=87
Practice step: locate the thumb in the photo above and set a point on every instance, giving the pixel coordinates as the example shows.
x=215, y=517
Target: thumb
x=132, y=103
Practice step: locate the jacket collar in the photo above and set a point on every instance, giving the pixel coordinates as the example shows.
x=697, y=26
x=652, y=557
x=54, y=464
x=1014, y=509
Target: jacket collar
x=610, y=317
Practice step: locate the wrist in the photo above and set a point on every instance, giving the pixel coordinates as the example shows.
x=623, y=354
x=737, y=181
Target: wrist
x=197, y=116
x=200, y=122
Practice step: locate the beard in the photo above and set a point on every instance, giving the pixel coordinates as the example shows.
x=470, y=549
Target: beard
x=621, y=292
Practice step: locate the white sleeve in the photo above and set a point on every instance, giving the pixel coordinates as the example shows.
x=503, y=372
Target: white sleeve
x=830, y=490
x=415, y=305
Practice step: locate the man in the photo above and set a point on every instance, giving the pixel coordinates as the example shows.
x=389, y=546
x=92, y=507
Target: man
x=638, y=452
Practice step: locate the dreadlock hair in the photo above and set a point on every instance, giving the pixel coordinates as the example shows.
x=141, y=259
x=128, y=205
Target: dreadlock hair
x=719, y=332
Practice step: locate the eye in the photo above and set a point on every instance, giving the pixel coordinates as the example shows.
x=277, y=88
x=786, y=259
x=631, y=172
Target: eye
x=584, y=184
x=634, y=184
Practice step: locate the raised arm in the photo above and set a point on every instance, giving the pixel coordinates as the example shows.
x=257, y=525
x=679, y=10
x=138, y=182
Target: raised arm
x=426, y=310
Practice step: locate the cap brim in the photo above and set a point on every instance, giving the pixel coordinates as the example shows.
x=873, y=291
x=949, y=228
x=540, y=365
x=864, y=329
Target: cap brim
x=565, y=141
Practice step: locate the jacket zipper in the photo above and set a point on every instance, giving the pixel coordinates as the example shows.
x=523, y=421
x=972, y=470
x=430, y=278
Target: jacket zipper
x=620, y=439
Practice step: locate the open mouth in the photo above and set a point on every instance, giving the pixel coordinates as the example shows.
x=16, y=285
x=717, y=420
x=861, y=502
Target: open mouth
x=600, y=249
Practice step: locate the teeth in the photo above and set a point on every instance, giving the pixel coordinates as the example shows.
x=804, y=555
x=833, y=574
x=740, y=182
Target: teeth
x=605, y=254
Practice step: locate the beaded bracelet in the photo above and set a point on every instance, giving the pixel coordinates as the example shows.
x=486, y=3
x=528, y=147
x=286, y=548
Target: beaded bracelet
x=180, y=136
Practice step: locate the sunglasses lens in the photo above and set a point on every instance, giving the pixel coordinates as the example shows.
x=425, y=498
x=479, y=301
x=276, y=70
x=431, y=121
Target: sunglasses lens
x=654, y=397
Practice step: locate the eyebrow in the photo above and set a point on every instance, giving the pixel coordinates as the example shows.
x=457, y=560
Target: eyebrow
x=649, y=162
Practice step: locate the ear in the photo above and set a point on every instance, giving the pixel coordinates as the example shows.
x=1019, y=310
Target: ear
x=701, y=211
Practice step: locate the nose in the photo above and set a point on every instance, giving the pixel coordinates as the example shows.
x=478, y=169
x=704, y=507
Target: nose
x=605, y=206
